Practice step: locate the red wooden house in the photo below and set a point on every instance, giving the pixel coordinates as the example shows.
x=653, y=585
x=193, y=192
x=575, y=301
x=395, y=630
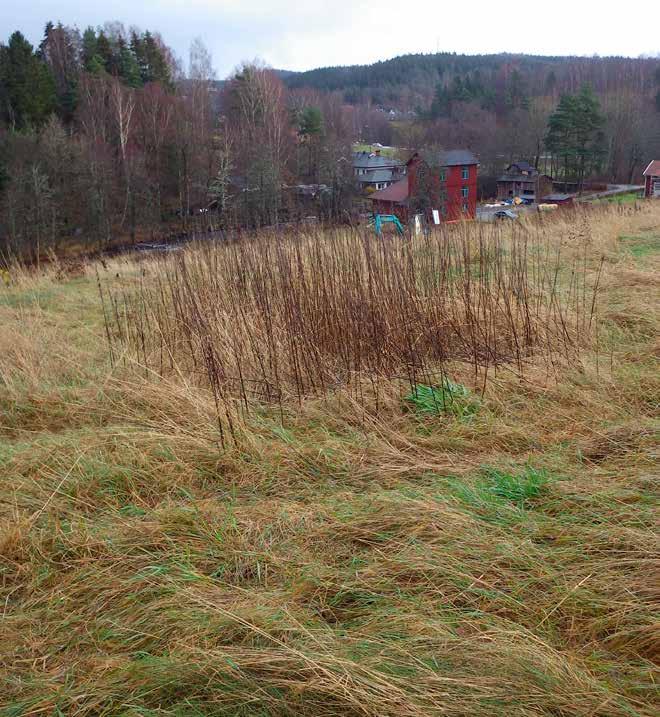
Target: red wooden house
x=652, y=179
x=442, y=180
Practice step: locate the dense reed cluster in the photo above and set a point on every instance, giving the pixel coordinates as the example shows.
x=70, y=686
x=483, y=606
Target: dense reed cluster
x=275, y=318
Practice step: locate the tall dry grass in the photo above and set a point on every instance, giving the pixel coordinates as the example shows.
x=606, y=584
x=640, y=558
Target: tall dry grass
x=277, y=318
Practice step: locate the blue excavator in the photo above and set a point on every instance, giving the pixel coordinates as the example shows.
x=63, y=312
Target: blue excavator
x=378, y=220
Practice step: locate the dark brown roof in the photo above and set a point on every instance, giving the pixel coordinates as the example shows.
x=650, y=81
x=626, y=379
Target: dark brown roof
x=653, y=170
x=397, y=192
x=522, y=166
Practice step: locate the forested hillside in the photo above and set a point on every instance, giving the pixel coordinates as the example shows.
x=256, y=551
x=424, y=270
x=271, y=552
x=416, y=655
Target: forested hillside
x=106, y=136
x=430, y=83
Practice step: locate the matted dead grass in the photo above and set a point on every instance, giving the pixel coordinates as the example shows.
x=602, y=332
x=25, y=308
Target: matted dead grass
x=332, y=559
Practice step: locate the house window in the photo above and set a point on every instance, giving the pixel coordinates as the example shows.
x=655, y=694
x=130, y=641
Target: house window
x=465, y=192
x=466, y=207
x=466, y=173
x=443, y=175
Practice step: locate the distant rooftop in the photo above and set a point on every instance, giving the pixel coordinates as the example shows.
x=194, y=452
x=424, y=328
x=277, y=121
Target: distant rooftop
x=397, y=192
x=377, y=175
x=370, y=160
x=653, y=170
x=449, y=157
x=522, y=166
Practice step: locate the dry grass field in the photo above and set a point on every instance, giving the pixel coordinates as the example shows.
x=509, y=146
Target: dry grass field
x=323, y=475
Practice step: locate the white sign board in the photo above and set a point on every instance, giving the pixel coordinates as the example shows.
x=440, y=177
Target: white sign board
x=436, y=216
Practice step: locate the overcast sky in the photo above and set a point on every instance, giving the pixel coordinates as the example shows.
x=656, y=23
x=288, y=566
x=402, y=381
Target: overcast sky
x=302, y=35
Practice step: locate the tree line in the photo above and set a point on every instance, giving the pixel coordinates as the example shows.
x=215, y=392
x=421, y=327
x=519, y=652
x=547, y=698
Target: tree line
x=105, y=135
x=414, y=80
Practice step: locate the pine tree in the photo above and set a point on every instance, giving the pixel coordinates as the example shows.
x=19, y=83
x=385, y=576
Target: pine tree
x=460, y=91
x=310, y=122
x=140, y=55
x=28, y=89
x=60, y=51
x=129, y=70
x=106, y=53
x=310, y=131
x=589, y=138
x=516, y=92
x=43, y=46
x=559, y=136
x=158, y=70
x=575, y=135
x=441, y=105
x=90, y=56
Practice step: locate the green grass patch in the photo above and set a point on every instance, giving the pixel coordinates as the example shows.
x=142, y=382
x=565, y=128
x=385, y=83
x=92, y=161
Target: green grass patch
x=385, y=151
x=627, y=198
x=641, y=246
x=449, y=398
x=519, y=488
x=500, y=496
x=27, y=299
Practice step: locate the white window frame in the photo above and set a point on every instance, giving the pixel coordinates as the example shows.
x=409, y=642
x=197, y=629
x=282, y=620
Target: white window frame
x=465, y=174
x=466, y=207
x=465, y=192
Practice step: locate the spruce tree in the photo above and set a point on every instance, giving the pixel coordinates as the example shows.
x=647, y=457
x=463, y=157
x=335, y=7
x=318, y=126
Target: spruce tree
x=140, y=55
x=28, y=89
x=59, y=49
x=106, y=53
x=575, y=135
x=129, y=70
x=90, y=57
x=158, y=71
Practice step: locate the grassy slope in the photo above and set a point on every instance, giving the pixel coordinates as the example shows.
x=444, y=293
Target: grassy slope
x=385, y=151
x=338, y=565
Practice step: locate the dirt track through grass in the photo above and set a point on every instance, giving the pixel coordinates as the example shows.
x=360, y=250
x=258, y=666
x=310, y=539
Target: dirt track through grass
x=334, y=560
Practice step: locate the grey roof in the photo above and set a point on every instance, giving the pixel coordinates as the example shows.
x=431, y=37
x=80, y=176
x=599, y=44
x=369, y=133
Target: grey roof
x=367, y=160
x=377, y=175
x=449, y=158
x=456, y=157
